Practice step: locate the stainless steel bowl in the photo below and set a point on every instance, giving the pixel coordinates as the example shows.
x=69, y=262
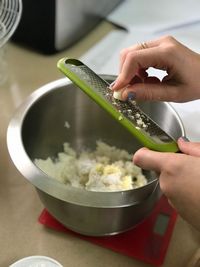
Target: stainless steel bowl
x=37, y=131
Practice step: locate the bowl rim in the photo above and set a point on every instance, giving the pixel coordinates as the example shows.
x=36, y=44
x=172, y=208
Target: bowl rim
x=50, y=185
x=33, y=259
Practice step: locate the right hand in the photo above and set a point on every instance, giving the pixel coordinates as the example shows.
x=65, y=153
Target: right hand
x=182, y=82
x=179, y=177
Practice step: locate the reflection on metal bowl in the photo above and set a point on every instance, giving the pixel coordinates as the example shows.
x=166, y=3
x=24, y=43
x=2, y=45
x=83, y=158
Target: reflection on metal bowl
x=37, y=131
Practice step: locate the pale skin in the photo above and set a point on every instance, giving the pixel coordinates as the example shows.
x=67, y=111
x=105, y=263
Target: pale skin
x=179, y=172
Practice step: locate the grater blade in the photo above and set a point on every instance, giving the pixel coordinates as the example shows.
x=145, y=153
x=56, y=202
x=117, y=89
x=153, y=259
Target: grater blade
x=127, y=113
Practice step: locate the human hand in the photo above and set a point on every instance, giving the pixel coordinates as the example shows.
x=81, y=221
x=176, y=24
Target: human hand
x=182, y=82
x=179, y=177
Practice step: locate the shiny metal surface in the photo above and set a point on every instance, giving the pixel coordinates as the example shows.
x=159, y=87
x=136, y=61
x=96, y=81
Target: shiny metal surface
x=37, y=131
x=165, y=116
x=99, y=221
x=73, y=19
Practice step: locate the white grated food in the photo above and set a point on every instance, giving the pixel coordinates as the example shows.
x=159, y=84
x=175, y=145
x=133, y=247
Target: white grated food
x=107, y=168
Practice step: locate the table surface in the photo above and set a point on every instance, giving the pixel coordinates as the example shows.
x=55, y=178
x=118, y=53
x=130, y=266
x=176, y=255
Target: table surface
x=20, y=233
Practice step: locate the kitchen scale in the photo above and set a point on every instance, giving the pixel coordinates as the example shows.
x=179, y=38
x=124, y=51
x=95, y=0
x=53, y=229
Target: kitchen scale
x=147, y=242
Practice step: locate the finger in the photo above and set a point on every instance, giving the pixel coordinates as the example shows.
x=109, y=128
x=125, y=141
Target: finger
x=118, y=94
x=189, y=148
x=154, y=90
x=141, y=59
x=150, y=160
x=124, y=53
x=154, y=43
x=161, y=41
x=139, y=46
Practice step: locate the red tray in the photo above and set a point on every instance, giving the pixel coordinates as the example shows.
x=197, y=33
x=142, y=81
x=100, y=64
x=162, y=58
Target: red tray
x=147, y=242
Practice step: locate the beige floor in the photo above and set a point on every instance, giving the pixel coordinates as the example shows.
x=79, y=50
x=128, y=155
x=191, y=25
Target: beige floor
x=20, y=233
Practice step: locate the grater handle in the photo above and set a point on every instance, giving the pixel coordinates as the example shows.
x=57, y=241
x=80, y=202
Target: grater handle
x=95, y=87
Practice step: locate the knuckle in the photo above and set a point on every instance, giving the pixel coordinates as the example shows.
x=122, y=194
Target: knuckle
x=147, y=94
x=168, y=39
x=169, y=45
x=130, y=55
x=123, y=52
x=168, y=50
x=169, y=172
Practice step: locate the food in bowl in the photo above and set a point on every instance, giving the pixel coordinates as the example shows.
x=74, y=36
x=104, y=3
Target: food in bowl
x=107, y=168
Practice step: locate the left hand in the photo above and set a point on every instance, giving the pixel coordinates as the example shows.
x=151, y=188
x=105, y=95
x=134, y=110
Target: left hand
x=179, y=177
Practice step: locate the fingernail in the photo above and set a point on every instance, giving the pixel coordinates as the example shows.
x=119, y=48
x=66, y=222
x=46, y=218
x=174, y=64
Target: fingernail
x=131, y=96
x=112, y=84
x=185, y=139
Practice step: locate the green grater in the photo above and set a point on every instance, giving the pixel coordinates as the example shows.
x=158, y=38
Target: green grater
x=126, y=113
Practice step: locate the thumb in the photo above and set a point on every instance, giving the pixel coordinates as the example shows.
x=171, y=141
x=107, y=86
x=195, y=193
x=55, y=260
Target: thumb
x=150, y=160
x=189, y=148
x=151, y=91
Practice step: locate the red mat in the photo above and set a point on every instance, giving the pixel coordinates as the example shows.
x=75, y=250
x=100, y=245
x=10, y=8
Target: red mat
x=146, y=242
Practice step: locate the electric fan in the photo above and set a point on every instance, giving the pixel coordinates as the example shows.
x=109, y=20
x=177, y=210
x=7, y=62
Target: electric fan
x=10, y=13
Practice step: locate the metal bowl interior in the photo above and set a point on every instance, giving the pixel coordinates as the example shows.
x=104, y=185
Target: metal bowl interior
x=37, y=131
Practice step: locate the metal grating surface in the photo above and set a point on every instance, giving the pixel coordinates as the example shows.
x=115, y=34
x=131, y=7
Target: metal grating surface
x=128, y=109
